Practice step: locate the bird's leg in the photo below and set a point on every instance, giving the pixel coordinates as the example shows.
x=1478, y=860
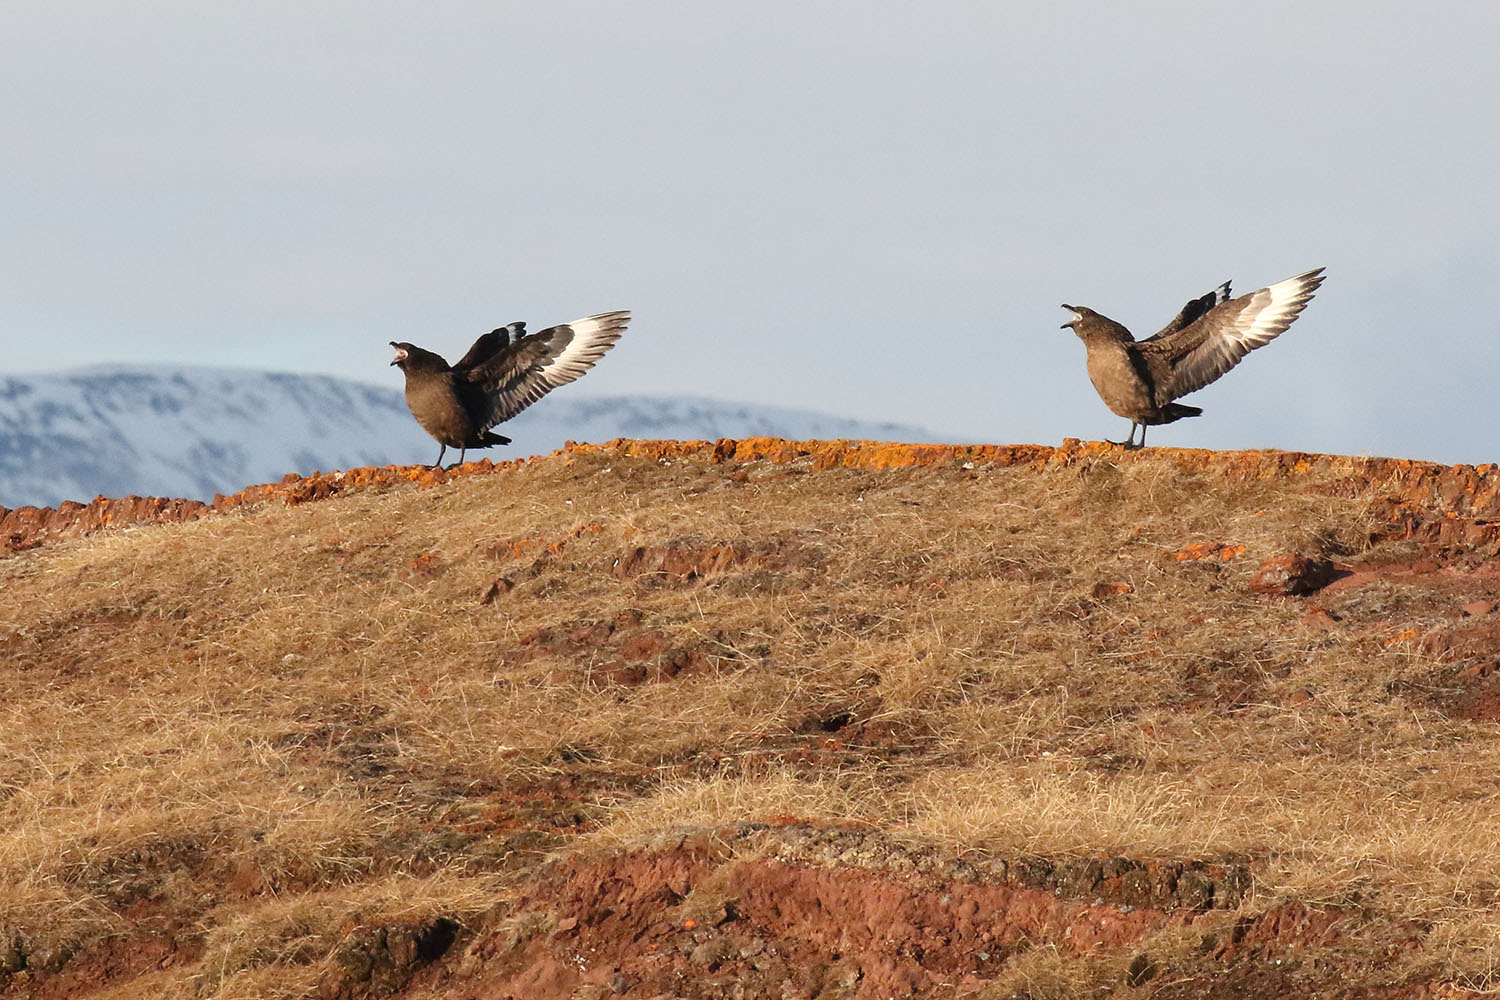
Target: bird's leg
x=443, y=450
x=461, y=453
x=1129, y=443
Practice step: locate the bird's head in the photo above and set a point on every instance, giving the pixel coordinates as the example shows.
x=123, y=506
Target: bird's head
x=413, y=360
x=1080, y=313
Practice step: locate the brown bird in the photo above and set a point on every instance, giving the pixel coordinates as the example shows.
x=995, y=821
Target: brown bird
x=1139, y=379
x=504, y=372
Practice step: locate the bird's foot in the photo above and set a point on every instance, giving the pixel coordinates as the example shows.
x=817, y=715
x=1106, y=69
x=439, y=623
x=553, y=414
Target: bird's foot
x=1129, y=444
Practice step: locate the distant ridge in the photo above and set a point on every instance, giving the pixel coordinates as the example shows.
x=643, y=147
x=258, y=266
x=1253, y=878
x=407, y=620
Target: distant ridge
x=194, y=432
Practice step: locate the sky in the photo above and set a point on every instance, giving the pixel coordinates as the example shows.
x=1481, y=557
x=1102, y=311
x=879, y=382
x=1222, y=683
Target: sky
x=868, y=208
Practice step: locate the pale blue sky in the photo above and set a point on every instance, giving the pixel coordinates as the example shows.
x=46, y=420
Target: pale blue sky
x=868, y=208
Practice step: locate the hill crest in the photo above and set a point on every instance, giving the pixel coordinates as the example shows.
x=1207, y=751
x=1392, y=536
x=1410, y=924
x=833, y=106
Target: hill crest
x=1456, y=498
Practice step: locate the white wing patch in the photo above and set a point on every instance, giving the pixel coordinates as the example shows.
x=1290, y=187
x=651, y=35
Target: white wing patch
x=592, y=336
x=1271, y=310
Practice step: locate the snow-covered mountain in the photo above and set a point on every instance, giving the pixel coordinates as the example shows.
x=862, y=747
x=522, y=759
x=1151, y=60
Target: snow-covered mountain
x=194, y=432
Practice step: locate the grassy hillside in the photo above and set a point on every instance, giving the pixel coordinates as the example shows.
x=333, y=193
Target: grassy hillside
x=802, y=721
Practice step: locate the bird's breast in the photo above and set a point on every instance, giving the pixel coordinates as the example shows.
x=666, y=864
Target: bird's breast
x=1118, y=381
x=436, y=407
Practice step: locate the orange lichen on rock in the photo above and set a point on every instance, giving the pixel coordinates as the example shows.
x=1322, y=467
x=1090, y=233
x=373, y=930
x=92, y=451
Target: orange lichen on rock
x=425, y=567
x=1210, y=550
x=583, y=529
x=27, y=527
x=1402, y=636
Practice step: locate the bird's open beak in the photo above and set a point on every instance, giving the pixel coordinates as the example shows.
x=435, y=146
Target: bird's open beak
x=1069, y=324
x=400, y=354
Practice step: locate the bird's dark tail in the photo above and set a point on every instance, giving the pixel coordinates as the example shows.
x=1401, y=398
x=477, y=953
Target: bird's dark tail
x=490, y=439
x=1176, y=411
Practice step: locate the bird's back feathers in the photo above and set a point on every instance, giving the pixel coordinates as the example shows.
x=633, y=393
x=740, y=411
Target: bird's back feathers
x=486, y=347
x=1191, y=312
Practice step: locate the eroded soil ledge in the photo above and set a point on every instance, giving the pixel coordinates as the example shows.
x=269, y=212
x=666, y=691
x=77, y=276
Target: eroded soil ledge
x=799, y=910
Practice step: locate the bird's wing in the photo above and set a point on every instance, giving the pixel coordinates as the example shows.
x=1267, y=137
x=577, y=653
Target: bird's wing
x=1195, y=356
x=533, y=366
x=1193, y=311
x=489, y=345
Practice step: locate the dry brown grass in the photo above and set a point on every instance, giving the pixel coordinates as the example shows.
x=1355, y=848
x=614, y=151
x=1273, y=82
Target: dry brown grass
x=271, y=721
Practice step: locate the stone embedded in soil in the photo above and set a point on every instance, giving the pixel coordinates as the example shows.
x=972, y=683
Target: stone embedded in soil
x=1321, y=618
x=500, y=585
x=425, y=568
x=1110, y=588
x=1294, y=575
